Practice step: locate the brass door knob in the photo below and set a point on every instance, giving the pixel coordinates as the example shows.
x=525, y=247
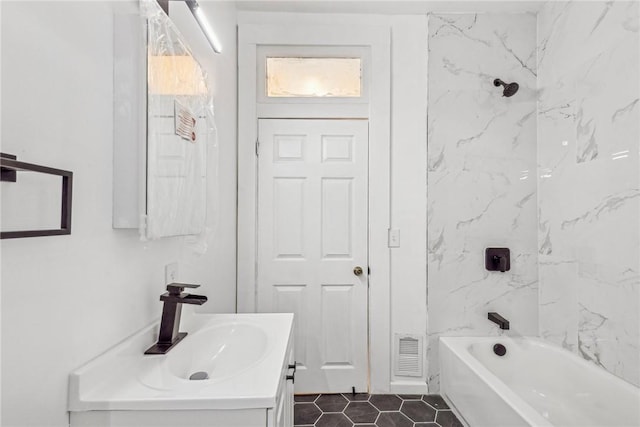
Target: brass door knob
x=357, y=271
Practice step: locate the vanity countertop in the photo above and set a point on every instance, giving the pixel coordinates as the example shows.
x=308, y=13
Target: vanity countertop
x=243, y=354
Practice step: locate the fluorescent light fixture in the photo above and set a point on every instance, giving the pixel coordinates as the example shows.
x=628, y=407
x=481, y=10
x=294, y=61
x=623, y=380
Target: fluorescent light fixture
x=204, y=25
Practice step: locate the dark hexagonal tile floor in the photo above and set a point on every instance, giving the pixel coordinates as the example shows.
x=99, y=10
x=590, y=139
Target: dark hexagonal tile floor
x=305, y=397
x=357, y=396
x=378, y=410
x=331, y=403
x=448, y=419
x=418, y=411
x=436, y=401
x=410, y=396
x=386, y=402
x=333, y=420
x=393, y=419
x=361, y=412
x=305, y=414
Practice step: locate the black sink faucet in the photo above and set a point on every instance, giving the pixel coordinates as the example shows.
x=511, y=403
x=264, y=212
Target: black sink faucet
x=170, y=334
x=501, y=321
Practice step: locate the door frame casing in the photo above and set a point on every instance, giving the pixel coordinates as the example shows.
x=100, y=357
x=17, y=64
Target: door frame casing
x=377, y=40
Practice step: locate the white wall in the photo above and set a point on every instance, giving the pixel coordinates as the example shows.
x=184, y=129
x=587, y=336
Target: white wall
x=406, y=161
x=66, y=299
x=221, y=209
x=408, y=187
x=588, y=140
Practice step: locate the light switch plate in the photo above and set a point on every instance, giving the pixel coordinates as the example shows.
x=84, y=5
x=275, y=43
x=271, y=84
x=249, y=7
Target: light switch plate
x=394, y=238
x=171, y=273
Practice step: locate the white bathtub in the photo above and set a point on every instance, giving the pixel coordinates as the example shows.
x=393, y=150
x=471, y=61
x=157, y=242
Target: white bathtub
x=534, y=384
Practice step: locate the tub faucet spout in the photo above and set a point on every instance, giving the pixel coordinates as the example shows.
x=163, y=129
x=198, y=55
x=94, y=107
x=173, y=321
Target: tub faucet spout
x=170, y=334
x=499, y=320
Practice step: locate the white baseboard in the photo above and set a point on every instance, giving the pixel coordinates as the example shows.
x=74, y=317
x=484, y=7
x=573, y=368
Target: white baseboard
x=408, y=387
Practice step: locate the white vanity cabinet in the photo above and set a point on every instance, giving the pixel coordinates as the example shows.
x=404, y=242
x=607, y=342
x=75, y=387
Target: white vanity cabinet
x=282, y=414
x=125, y=388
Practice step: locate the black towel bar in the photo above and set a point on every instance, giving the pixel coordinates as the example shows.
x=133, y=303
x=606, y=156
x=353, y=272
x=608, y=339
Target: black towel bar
x=9, y=166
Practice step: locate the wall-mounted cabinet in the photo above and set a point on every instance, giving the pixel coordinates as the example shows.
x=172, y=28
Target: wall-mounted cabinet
x=162, y=126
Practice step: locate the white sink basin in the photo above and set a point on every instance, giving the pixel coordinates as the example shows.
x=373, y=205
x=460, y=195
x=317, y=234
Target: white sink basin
x=221, y=351
x=242, y=355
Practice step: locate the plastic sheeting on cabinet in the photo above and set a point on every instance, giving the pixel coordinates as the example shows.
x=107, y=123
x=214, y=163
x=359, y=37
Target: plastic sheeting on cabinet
x=163, y=128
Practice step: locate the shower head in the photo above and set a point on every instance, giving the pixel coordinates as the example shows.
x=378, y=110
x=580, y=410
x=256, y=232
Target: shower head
x=510, y=89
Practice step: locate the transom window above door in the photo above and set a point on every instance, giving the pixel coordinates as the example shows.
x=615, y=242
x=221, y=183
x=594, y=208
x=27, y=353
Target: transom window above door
x=313, y=74
x=313, y=77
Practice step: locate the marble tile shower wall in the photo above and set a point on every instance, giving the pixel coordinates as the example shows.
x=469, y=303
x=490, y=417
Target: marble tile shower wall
x=481, y=175
x=588, y=185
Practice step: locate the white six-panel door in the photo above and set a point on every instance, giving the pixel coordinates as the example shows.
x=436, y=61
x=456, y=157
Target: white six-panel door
x=312, y=234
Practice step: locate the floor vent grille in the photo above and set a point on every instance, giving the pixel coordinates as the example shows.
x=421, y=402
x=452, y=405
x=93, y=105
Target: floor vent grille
x=408, y=355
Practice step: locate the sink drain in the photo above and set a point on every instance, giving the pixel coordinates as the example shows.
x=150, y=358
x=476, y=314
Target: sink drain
x=200, y=375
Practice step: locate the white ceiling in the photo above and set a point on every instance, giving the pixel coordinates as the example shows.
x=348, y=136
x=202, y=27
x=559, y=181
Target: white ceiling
x=388, y=6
